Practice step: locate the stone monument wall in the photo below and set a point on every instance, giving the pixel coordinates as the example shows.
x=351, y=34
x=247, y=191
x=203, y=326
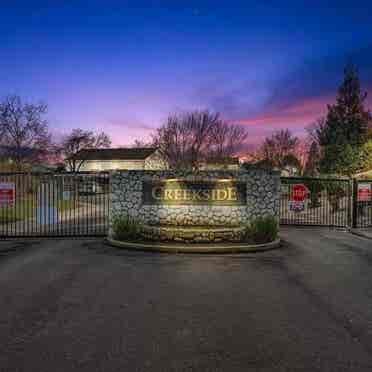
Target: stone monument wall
x=206, y=202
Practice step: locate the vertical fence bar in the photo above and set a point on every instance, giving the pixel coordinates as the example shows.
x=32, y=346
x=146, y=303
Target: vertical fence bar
x=76, y=203
x=14, y=208
x=370, y=208
x=355, y=204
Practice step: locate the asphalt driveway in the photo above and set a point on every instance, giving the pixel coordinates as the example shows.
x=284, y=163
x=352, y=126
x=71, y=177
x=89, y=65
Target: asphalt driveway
x=79, y=305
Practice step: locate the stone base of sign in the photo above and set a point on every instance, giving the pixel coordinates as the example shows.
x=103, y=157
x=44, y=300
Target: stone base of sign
x=193, y=234
x=194, y=248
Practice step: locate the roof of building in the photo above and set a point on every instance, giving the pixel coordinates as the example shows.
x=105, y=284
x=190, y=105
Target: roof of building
x=136, y=153
x=223, y=160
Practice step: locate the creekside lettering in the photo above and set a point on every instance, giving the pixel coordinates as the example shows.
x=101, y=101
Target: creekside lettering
x=189, y=193
x=161, y=193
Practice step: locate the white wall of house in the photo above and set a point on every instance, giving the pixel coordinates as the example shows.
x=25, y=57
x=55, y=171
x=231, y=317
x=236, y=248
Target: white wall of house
x=153, y=162
x=216, y=166
x=106, y=165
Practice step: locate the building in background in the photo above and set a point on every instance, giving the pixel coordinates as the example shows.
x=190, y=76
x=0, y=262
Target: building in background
x=97, y=160
x=227, y=163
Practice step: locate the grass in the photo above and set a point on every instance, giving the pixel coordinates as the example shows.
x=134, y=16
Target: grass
x=26, y=209
x=262, y=230
x=126, y=228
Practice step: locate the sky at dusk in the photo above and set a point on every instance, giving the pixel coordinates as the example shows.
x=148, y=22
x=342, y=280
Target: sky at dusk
x=123, y=66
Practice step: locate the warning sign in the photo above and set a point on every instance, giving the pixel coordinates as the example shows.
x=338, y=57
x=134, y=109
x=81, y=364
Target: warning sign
x=297, y=206
x=7, y=194
x=364, y=191
x=299, y=193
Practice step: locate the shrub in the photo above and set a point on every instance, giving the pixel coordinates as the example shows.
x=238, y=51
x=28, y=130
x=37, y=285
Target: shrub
x=262, y=230
x=315, y=187
x=335, y=192
x=126, y=228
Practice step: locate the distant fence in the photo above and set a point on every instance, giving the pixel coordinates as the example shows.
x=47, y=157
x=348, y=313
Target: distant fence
x=60, y=204
x=77, y=204
x=328, y=202
x=362, y=201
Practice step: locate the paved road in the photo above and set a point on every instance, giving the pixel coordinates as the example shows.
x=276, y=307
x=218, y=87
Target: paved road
x=75, y=305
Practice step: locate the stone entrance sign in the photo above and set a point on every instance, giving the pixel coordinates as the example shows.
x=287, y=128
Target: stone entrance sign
x=194, y=206
x=183, y=192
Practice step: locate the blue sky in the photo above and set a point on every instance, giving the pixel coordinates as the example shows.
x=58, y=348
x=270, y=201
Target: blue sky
x=123, y=66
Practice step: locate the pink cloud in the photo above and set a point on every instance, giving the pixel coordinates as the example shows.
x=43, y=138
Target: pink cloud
x=297, y=114
x=296, y=117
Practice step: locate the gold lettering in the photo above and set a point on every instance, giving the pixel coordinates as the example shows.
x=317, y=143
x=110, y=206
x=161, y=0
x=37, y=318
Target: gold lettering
x=178, y=194
x=187, y=194
x=168, y=194
x=156, y=192
x=232, y=193
x=221, y=194
x=214, y=194
x=190, y=193
x=206, y=194
x=195, y=195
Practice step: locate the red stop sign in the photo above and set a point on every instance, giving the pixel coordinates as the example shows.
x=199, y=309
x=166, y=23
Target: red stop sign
x=299, y=192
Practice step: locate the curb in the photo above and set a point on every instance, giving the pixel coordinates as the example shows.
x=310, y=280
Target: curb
x=195, y=248
x=360, y=233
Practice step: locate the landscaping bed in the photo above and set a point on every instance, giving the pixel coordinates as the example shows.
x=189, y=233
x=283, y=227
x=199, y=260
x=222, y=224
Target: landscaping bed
x=260, y=234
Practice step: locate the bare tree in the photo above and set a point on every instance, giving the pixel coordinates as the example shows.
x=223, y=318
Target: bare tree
x=227, y=139
x=189, y=138
x=313, y=158
x=279, y=149
x=138, y=143
x=24, y=132
x=78, y=140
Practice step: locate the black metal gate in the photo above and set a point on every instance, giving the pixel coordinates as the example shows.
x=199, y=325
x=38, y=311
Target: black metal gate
x=59, y=204
x=328, y=202
x=77, y=204
x=362, y=199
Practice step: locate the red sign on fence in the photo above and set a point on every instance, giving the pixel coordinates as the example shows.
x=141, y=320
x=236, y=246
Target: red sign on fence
x=299, y=192
x=7, y=194
x=364, y=192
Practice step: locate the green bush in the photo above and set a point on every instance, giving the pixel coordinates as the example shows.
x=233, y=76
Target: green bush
x=315, y=187
x=126, y=228
x=262, y=230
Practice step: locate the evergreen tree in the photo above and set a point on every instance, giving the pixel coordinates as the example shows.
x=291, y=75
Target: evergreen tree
x=366, y=156
x=341, y=159
x=345, y=127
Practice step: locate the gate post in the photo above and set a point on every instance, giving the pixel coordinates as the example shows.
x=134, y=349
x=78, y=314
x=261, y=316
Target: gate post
x=354, y=222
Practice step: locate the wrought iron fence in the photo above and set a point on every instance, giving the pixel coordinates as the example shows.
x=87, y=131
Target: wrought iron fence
x=362, y=200
x=77, y=204
x=60, y=204
x=316, y=201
